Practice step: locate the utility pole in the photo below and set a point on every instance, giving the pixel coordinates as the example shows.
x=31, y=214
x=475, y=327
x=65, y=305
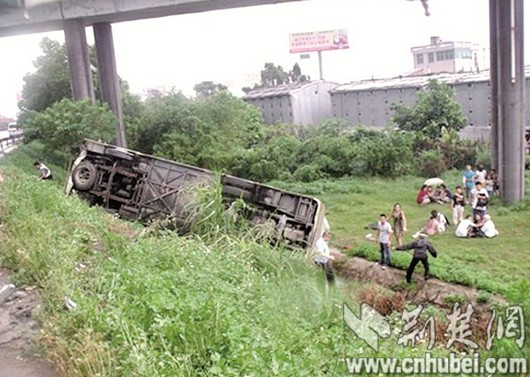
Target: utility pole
x=508, y=95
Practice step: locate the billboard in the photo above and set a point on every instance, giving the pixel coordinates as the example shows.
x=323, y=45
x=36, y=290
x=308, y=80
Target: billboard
x=318, y=41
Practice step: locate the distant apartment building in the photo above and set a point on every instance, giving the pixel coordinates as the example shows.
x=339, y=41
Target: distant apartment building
x=446, y=57
x=302, y=104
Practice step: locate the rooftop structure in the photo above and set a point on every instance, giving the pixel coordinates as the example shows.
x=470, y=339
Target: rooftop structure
x=450, y=57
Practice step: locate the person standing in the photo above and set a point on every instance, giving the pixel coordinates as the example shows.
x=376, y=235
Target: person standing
x=467, y=180
x=400, y=223
x=44, y=171
x=495, y=177
x=489, y=184
x=384, y=235
x=480, y=175
x=480, y=199
x=421, y=247
x=458, y=204
x=323, y=257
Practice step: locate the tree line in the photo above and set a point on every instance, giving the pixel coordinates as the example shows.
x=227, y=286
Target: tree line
x=219, y=131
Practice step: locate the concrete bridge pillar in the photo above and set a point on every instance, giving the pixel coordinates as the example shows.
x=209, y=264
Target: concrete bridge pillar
x=108, y=76
x=78, y=60
x=508, y=95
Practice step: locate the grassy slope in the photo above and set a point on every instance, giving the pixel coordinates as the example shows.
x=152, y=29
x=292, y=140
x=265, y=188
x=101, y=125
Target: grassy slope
x=169, y=306
x=163, y=305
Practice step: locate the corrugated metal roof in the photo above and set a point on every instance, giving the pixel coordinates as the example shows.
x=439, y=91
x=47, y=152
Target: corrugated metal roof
x=416, y=81
x=280, y=90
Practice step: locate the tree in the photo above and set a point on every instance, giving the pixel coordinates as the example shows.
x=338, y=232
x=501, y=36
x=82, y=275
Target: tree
x=162, y=114
x=133, y=108
x=210, y=133
x=50, y=82
x=435, y=112
x=208, y=88
x=66, y=123
x=296, y=74
x=273, y=75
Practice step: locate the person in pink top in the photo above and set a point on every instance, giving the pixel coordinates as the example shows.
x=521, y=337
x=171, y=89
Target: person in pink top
x=431, y=227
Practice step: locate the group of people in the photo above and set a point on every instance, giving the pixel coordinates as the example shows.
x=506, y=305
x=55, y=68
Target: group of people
x=480, y=186
x=487, y=180
x=476, y=227
x=476, y=190
x=478, y=199
x=421, y=245
x=430, y=195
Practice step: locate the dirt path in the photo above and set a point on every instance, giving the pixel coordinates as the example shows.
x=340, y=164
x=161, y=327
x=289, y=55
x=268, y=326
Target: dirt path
x=431, y=291
x=18, y=332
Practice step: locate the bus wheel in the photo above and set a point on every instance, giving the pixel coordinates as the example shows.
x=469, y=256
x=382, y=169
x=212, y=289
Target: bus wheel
x=84, y=176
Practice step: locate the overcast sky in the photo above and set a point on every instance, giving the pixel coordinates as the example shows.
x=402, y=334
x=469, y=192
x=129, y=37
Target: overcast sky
x=231, y=46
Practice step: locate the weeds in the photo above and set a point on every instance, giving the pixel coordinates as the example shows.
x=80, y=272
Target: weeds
x=384, y=302
x=212, y=303
x=454, y=299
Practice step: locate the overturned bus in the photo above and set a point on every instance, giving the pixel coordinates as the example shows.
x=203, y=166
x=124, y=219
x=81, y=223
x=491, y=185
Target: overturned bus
x=146, y=188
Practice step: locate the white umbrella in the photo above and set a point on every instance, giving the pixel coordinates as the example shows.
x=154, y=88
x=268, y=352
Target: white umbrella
x=433, y=181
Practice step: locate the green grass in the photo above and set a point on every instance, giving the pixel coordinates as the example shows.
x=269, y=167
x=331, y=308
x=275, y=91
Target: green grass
x=163, y=305
x=494, y=265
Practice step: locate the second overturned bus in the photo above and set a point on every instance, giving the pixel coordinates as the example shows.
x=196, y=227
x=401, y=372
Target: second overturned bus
x=141, y=187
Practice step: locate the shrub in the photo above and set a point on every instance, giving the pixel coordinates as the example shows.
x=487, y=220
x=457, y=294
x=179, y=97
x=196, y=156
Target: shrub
x=483, y=155
x=431, y=163
x=66, y=123
x=307, y=173
x=272, y=160
x=381, y=152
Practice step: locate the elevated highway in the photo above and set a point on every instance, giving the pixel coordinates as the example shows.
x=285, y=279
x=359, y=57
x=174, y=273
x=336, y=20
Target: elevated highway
x=73, y=16
x=48, y=15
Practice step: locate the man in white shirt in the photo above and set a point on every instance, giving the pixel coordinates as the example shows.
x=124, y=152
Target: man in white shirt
x=323, y=257
x=480, y=200
x=462, y=230
x=488, y=228
x=480, y=175
x=384, y=235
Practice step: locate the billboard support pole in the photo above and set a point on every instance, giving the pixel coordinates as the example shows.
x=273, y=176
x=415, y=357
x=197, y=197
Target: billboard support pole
x=320, y=70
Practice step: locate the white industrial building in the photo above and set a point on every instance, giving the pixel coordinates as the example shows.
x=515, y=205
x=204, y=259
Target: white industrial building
x=296, y=103
x=368, y=102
